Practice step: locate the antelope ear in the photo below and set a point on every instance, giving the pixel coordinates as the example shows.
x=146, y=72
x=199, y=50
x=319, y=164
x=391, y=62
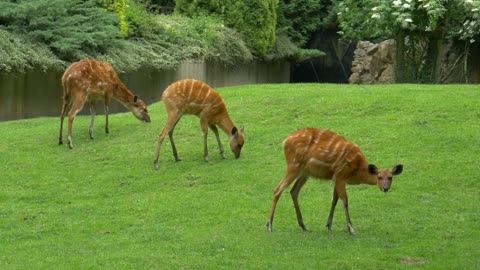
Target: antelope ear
x=135, y=99
x=234, y=131
x=397, y=169
x=372, y=169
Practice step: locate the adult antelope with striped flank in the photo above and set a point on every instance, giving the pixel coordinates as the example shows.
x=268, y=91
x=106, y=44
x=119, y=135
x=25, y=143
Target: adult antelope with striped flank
x=197, y=98
x=324, y=154
x=89, y=80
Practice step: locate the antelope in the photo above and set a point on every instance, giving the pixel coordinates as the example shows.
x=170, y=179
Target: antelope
x=323, y=154
x=89, y=80
x=197, y=98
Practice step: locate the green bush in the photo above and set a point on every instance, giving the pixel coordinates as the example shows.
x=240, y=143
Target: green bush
x=227, y=47
x=119, y=7
x=285, y=49
x=299, y=19
x=50, y=34
x=169, y=40
x=18, y=54
x=71, y=29
x=254, y=19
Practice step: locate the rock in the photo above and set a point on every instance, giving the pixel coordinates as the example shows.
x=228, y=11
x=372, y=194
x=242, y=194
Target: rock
x=373, y=63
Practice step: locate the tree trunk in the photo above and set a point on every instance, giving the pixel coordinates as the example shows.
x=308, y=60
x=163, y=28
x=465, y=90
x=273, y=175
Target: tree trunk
x=433, y=57
x=400, y=71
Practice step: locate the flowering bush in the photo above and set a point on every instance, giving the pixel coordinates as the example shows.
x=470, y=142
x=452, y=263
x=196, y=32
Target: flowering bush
x=470, y=29
x=384, y=18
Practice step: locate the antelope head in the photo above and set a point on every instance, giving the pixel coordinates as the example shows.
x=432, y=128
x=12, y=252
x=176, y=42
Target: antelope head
x=139, y=109
x=384, y=177
x=236, y=141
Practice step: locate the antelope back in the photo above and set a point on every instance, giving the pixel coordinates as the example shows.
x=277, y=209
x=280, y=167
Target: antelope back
x=91, y=77
x=92, y=80
x=322, y=153
x=192, y=97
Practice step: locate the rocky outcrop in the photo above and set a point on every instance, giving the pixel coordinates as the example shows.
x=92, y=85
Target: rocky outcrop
x=373, y=63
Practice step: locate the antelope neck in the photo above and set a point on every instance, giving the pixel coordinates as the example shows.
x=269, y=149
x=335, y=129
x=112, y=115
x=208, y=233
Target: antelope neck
x=123, y=95
x=226, y=125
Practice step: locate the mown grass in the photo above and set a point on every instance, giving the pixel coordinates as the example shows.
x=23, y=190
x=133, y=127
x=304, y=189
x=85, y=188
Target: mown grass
x=101, y=205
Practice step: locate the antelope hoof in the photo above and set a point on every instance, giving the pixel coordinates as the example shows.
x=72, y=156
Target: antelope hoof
x=70, y=145
x=155, y=165
x=90, y=132
x=60, y=142
x=329, y=227
x=269, y=226
x=106, y=130
x=351, y=230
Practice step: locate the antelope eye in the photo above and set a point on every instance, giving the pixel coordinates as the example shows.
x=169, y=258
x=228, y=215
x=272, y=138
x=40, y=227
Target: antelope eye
x=240, y=145
x=390, y=178
x=145, y=110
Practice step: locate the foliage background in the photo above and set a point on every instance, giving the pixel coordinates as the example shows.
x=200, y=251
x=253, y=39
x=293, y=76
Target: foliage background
x=132, y=34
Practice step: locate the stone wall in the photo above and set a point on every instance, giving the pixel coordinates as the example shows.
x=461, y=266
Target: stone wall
x=373, y=63
x=38, y=93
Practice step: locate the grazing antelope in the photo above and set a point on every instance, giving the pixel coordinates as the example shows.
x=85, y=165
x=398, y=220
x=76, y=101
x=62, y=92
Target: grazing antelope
x=89, y=80
x=324, y=154
x=197, y=98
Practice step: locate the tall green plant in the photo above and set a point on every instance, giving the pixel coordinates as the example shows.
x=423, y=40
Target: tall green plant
x=119, y=7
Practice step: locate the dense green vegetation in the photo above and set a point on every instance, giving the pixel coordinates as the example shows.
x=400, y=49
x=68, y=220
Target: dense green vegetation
x=137, y=33
x=101, y=205
x=131, y=34
x=257, y=23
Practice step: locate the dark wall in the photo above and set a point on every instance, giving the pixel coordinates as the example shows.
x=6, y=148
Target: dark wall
x=335, y=67
x=38, y=93
x=474, y=64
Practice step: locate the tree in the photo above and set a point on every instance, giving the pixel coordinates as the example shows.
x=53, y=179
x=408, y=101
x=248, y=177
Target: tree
x=299, y=19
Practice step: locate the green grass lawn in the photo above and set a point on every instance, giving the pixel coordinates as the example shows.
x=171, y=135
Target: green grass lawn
x=102, y=205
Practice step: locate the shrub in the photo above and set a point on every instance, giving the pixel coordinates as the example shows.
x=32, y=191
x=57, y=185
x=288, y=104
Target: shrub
x=119, y=7
x=71, y=29
x=18, y=54
x=285, y=49
x=254, y=19
x=299, y=19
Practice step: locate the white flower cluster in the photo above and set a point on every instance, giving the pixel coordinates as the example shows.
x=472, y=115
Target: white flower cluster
x=471, y=27
x=401, y=12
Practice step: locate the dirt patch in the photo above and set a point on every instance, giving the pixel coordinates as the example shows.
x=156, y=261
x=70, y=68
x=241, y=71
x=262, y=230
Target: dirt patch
x=410, y=260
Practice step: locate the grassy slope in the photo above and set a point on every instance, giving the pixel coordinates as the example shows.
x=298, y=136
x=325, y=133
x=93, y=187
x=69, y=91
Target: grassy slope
x=103, y=205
